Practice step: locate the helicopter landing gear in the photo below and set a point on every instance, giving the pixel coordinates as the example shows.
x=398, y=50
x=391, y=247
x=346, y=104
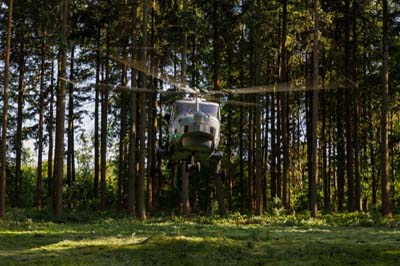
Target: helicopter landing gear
x=192, y=165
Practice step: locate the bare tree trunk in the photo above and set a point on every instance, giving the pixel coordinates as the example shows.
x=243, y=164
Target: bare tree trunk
x=285, y=110
x=60, y=117
x=122, y=136
x=18, y=140
x=217, y=86
x=39, y=186
x=314, y=123
x=185, y=174
x=4, y=121
x=356, y=131
x=348, y=102
x=50, y=127
x=96, y=120
x=132, y=170
x=386, y=208
x=185, y=190
x=250, y=162
x=216, y=166
x=241, y=164
x=70, y=130
x=103, y=140
x=142, y=135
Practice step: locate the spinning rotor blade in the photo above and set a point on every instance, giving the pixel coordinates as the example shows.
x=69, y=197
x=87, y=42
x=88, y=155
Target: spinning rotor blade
x=232, y=102
x=141, y=66
x=283, y=87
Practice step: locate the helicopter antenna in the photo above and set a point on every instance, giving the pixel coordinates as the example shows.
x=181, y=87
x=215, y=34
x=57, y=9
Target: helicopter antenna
x=197, y=104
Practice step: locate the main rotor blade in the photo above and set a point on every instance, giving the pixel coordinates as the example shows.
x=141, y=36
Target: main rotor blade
x=283, y=87
x=141, y=66
x=133, y=89
x=231, y=102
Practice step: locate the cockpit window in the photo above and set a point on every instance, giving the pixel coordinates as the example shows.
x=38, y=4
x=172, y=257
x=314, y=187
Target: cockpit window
x=190, y=107
x=184, y=107
x=209, y=109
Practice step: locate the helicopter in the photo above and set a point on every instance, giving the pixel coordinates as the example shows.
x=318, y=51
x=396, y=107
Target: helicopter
x=195, y=121
x=195, y=130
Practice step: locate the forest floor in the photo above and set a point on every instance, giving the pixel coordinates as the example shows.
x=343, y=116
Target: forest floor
x=348, y=239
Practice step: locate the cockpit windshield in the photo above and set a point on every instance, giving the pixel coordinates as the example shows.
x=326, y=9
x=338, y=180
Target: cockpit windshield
x=190, y=107
x=184, y=107
x=209, y=109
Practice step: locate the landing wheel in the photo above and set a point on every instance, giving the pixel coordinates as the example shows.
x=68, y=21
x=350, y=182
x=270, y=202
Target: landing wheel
x=196, y=167
x=193, y=166
x=187, y=166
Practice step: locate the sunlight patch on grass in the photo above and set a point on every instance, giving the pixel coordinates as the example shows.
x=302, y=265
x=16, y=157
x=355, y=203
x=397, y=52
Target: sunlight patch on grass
x=102, y=241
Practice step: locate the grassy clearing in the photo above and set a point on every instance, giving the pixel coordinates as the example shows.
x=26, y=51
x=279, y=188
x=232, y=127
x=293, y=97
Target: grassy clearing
x=354, y=239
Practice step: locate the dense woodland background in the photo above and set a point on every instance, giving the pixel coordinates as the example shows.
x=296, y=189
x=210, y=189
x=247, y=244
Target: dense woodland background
x=335, y=148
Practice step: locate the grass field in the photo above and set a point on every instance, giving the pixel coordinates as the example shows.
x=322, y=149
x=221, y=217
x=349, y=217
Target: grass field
x=352, y=239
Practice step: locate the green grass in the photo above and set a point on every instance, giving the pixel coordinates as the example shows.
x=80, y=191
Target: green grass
x=351, y=239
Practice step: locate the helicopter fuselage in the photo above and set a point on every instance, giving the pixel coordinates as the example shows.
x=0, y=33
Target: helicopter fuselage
x=195, y=129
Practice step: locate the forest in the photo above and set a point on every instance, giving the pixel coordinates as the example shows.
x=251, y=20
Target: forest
x=68, y=141
x=312, y=141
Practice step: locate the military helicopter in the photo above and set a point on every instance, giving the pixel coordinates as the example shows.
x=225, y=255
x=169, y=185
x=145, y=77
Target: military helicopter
x=195, y=122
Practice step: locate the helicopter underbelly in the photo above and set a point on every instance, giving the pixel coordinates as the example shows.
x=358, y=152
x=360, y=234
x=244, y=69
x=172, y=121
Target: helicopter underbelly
x=198, y=141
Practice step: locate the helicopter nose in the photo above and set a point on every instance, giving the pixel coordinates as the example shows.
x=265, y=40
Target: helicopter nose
x=199, y=117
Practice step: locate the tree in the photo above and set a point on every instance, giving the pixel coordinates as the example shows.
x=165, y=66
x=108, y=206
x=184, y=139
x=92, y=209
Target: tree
x=39, y=187
x=4, y=121
x=60, y=116
x=285, y=110
x=314, y=156
x=70, y=127
x=18, y=140
x=386, y=208
x=104, y=114
x=142, y=135
x=185, y=174
x=132, y=169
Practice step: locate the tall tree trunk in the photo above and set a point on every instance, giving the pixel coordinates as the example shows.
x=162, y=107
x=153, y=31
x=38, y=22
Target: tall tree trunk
x=285, y=110
x=217, y=86
x=70, y=130
x=50, y=127
x=39, y=186
x=386, y=208
x=122, y=136
x=60, y=117
x=18, y=140
x=278, y=147
x=96, y=119
x=241, y=163
x=348, y=102
x=266, y=153
x=103, y=140
x=132, y=169
x=273, y=150
x=258, y=121
x=250, y=162
x=142, y=135
x=325, y=177
x=185, y=189
x=314, y=123
x=153, y=122
x=4, y=121
x=356, y=131
x=185, y=175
